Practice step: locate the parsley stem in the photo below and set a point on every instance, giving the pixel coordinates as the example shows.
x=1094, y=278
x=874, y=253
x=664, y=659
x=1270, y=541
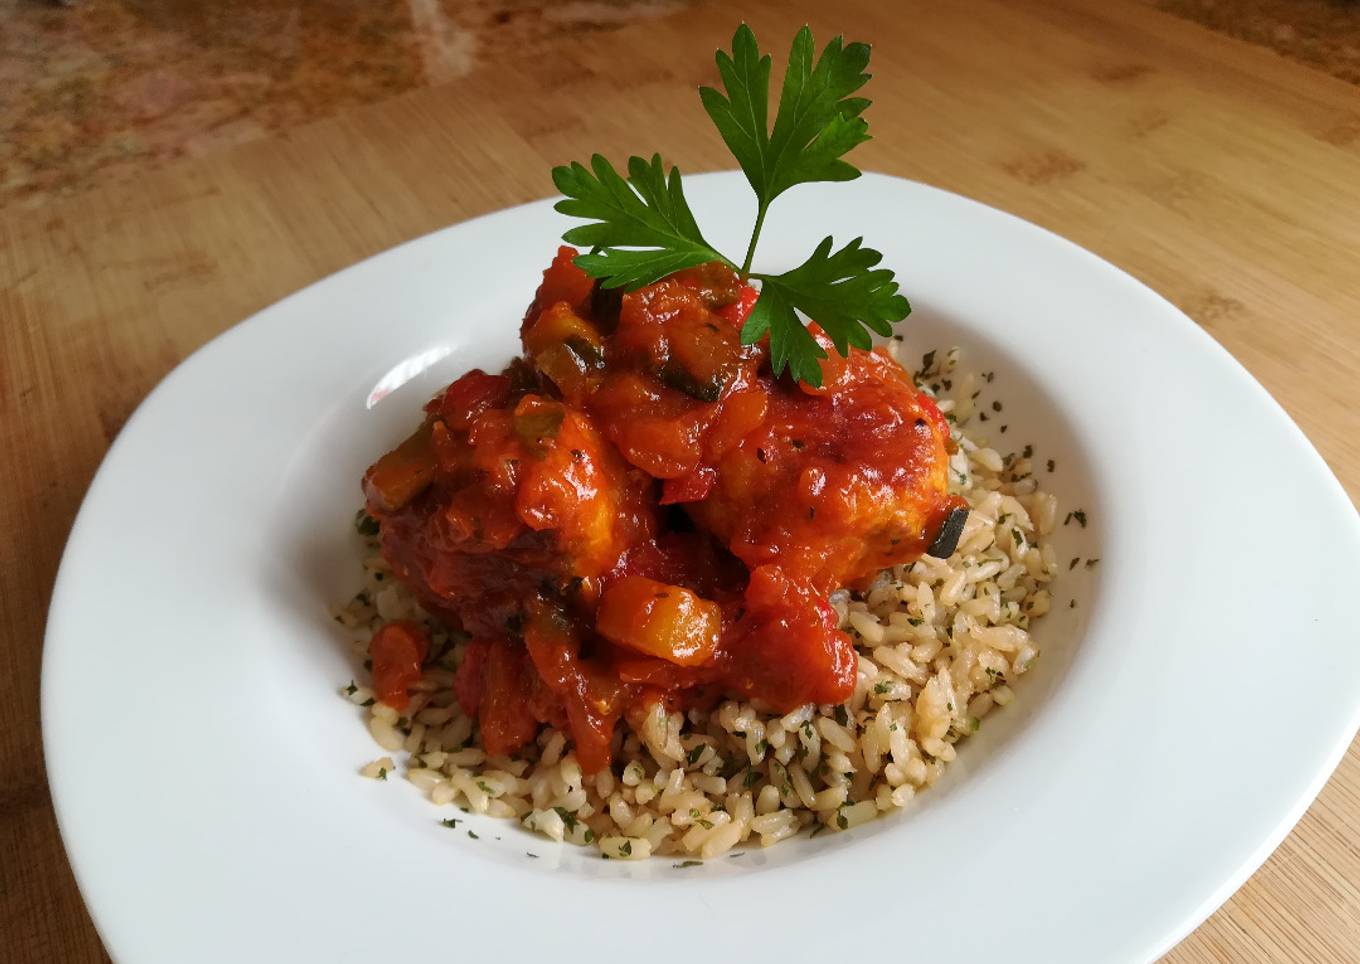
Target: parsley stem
x=755, y=235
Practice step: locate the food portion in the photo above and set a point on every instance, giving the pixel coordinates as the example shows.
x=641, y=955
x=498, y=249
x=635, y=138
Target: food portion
x=639, y=513
x=934, y=647
x=701, y=565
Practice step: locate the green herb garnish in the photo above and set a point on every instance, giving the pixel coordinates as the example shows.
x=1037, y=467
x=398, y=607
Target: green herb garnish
x=700, y=819
x=642, y=228
x=569, y=819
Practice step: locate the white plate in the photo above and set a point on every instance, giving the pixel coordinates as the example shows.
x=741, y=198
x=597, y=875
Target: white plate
x=1183, y=716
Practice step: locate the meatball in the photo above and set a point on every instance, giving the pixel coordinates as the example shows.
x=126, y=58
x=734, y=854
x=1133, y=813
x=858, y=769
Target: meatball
x=838, y=482
x=519, y=493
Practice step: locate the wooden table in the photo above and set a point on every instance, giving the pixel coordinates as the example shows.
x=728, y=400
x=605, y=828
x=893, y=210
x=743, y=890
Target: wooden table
x=1225, y=177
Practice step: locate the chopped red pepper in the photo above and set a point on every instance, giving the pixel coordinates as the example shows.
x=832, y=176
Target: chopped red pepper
x=562, y=281
x=469, y=396
x=397, y=651
x=737, y=312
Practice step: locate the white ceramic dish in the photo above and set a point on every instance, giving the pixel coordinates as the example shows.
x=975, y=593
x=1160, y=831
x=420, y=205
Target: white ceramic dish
x=1183, y=716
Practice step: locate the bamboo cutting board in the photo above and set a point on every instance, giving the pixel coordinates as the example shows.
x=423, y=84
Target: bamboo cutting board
x=1225, y=177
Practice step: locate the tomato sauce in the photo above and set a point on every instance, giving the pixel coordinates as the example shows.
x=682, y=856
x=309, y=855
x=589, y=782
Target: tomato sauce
x=638, y=511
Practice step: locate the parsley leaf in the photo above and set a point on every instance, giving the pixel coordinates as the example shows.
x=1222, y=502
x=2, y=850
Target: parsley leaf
x=569, y=819
x=817, y=121
x=643, y=225
x=842, y=290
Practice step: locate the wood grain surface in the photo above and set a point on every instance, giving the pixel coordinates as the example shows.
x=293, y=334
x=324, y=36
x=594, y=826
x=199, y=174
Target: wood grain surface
x=1222, y=175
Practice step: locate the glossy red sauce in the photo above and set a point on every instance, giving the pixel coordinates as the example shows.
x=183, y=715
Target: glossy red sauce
x=637, y=511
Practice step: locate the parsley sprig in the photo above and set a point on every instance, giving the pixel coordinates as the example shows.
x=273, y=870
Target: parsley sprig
x=642, y=228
